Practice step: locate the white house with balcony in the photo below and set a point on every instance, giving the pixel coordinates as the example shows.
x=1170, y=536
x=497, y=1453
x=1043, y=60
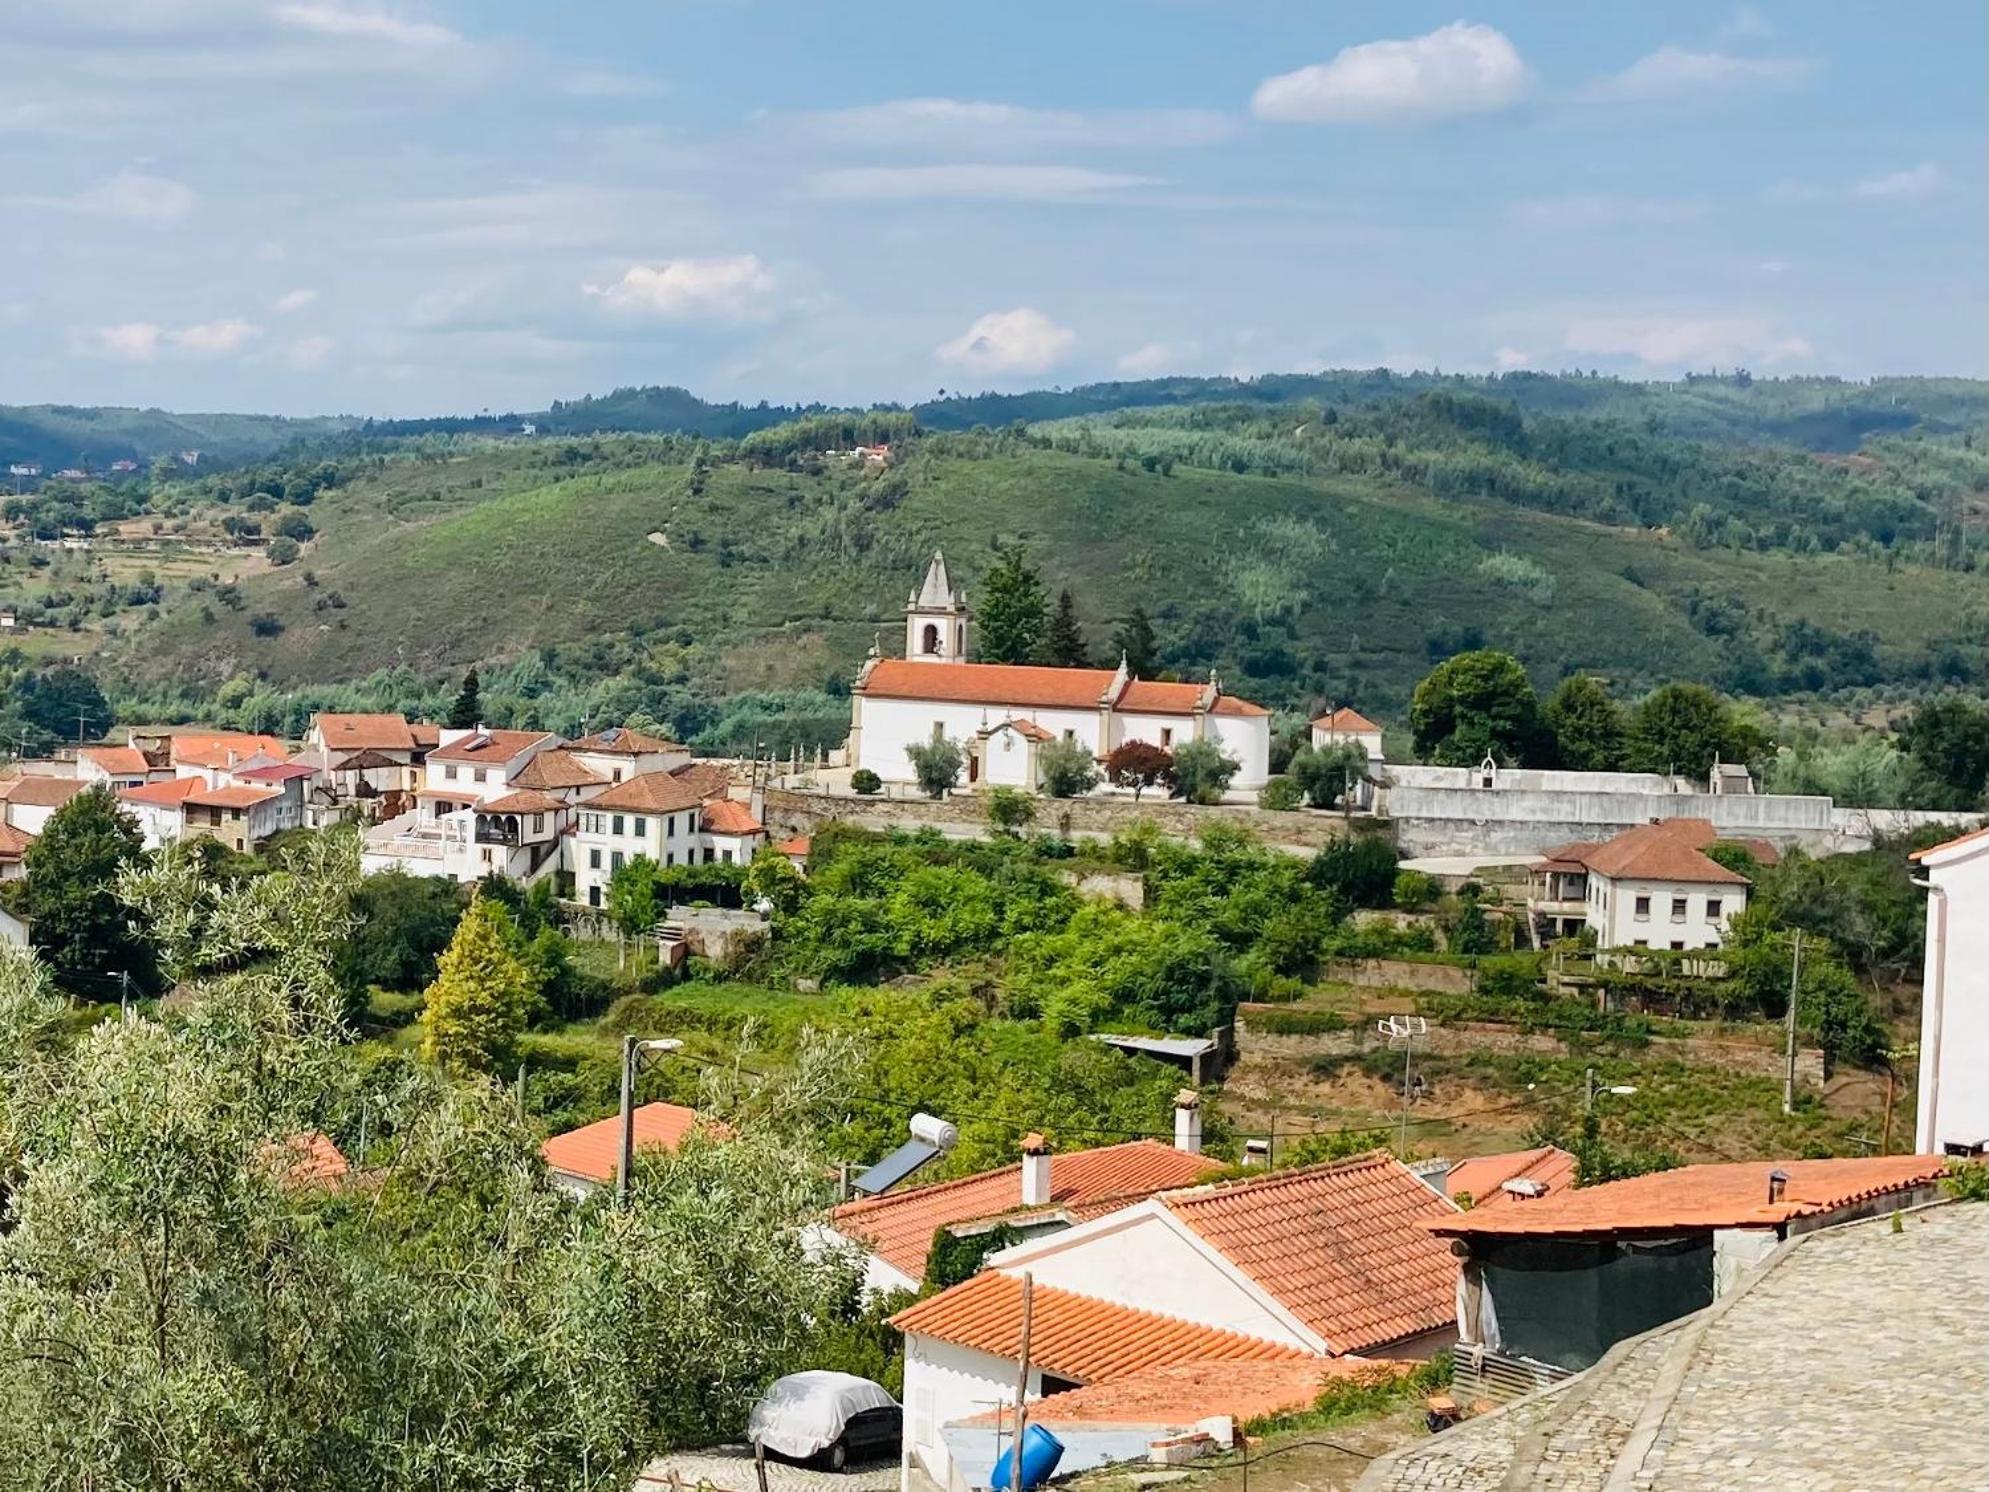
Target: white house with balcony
x=1653, y=886
x=1953, y=1117
x=444, y=835
x=999, y=712
x=669, y=818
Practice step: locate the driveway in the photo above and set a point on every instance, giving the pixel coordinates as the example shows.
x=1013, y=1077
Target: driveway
x=729, y=1468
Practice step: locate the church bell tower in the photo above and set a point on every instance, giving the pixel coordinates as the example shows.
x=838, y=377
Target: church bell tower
x=936, y=618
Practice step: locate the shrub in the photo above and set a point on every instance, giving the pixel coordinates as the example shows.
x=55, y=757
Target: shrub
x=1297, y=1023
x=1067, y=768
x=865, y=781
x=1280, y=794
x=1138, y=765
x=1360, y=869
x=1414, y=890
x=282, y=551
x=266, y=624
x=936, y=765
x=1008, y=809
x=1202, y=773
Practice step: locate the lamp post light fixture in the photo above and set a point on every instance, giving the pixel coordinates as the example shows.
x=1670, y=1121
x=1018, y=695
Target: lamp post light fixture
x=633, y=1049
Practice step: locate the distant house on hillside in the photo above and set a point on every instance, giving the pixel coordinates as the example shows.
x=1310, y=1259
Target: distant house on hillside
x=1653, y=886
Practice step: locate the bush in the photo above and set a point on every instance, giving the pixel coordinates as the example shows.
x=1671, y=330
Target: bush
x=1202, y=773
x=266, y=624
x=1296, y=1022
x=936, y=765
x=1067, y=768
x=865, y=781
x=1360, y=869
x=1414, y=890
x=282, y=551
x=1008, y=809
x=1138, y=765
x=1280, y=795
x=1516, y=978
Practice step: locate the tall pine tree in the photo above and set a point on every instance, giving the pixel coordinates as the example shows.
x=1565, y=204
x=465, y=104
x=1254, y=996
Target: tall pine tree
x=1014, y=608
x=467, y=712
x=1064, y=643
x=476, y=1009
x=1136, y=643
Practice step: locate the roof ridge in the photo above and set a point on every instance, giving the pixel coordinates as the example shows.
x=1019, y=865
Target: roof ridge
x=955, y=1182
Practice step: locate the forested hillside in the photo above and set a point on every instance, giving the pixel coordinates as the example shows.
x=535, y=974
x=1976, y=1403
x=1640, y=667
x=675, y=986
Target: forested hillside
x=92, y=436
x=1307, y=552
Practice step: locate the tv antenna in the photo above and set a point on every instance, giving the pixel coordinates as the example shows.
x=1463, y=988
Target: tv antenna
x=1404, y=1031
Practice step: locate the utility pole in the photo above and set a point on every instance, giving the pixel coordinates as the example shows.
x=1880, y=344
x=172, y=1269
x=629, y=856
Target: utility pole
x=1408, y=1030
x=1021, y=1385
x=1789, y=1070
x=632, y=1049
x=1588, y=1092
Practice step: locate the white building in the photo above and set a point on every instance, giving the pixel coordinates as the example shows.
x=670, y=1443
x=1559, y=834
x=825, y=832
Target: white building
x=1650, y=887
x=1954, y=1003
x=27, y=803
x=1345, y=727
x=118, y=766
x=934, y=692
x=669, y=818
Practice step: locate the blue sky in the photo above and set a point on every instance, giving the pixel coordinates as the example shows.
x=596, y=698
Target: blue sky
x=409, y=207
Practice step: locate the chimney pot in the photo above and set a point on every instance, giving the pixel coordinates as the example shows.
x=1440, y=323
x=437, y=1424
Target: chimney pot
x=1778, y=1181
x=1035, y=1171
x=1188, y=1122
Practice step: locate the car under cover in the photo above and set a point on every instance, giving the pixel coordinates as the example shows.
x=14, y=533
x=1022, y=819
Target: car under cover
x=804, y=1413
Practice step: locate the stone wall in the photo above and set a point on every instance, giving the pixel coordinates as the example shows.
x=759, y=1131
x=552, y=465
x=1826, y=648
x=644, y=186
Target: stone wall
x=792, y=812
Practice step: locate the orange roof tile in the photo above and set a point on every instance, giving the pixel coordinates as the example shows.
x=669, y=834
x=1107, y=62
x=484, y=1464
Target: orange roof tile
x=425, y=732
x=222, y=748
x=622, y=740
x=1729, y=1195
x=1669, y=850
x=119, y=761
x=1483, y=1177
x=594, y=1150
x=1949, y=844
x=706, y=779
x=555, y=769
x=42, y=792
x=1029, y=730
x=309, y=1158
x=168, y=794
x=489, y=747
x=649, y=792
x=1229, y=704
x=797, y=847
x=1341, y=1246
x=1184, y=1392
x=364, y=732
x=525, y=801
x=898, y=1226
x=723, y=816
x=1076, y=1336
x=1029, y=686
x=14, y=842
x=1344, y=719
x=242, y=795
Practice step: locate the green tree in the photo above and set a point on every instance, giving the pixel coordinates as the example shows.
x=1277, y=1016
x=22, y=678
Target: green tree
x=635, y=901
x=1476, y=705
x=774, y=879
x=404, y=924
x=282, y=551
x=1066, y=768
x=1587, y=724
x=1684, y=728
x=1064, y=642
x=1359, y=869
x=936, y=764
x=482, y=995
x=64, y=703
x=1948, y=739
x=1325, y=773
x=1135, y=642
x=1201, y=772
x=1009, y=810
x=69, y=896
x=467, y=711
x=1138, y=765
x=1014, y=608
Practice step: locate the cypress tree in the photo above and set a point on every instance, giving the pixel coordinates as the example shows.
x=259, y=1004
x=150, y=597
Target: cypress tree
x=1065, y=641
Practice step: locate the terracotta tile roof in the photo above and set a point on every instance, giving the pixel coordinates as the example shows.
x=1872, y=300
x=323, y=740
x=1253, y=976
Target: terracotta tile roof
x=1076, y=1336
x=898, y=1226
x=556, y=769
x=649, y=792
x=168, y=794
x=364, y=732
x=1341, y=1246
x=14, y=842
x=1731, y=1195
x=278, y=772
x=489, y=747
x=1028, y=686
x=1184, y=1392
x=593, y=1150
x=1484, y=1176
x=119, y=761
x=1344, y=719
x=527, y=800
x=308, y=1158
x=242, y=795
x=425, y=732
x=222, y=748
x=42, y=792
x=723, y=816
x=796, y=847
x=1669, y=850
x=1027, y=729
x=622, y=740
x=706, y=779
x=1950, y=844
x=1229, y=704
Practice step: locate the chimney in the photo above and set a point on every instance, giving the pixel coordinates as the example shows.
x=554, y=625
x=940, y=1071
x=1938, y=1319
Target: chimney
x=1035, y=1171
x=1188, y=1121
x=1778, y=1181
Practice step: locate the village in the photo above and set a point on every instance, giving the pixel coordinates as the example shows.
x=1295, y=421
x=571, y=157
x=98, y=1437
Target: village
x=1140, y=1300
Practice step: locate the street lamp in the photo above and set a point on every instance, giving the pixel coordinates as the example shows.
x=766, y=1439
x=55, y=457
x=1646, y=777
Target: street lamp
x=633, y=1049
x=1619, y=1090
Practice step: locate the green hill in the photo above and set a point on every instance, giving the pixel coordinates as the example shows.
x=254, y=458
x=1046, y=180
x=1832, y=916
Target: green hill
x=1305, y=560
x=59, y=435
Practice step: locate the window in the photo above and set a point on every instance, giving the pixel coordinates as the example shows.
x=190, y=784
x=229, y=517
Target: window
x=1641, y=943
x=594, y=894
x=709, y=855
x=929, y=640
x=1678, y=945
x=670, y=826
x=1070, y=735
x=614, y=861
x=617, y=774
x=1713, y=905
x=593, y=859
x=477, y=774
x=538, y=823
x=1678, y=905
x=618, y=826
x=1643, y=909
x=728, y=856
x=449, y=772
x=670, y=858
x=1166, y=736
x=639, y=827
x=939, y=730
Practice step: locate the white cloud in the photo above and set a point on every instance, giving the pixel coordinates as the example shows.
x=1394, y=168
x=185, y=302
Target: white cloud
x=1919, y=181
x=308, y=352
x=213, y=338
x=1686, y=342
x=1671, y=74
x=127, y=342
x=1154, y=359
x=1456, y=69
x=292, y=300
x=739, y=288
x=373, y=26
x=971, y=182
x=136, y=195
x=1575, y=213
x=1509, y=359
x=950, y=123
x=1023, y=340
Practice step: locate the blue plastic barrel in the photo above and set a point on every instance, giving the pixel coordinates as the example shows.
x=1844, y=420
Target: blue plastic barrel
x=1040, y=1453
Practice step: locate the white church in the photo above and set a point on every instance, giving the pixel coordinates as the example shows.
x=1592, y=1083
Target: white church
x=1000, y=713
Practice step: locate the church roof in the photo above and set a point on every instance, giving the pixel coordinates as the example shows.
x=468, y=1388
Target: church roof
x=1028, y=687
x=937, y=593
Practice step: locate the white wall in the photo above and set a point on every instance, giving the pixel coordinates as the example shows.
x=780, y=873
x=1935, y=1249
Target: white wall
x=1248, y=739
x=1142, y=1260
x=1954, y=1096
x=1368, y=740
x=1612, y=912
x=1005, y=761
x=890, y=725
x=945, y=1383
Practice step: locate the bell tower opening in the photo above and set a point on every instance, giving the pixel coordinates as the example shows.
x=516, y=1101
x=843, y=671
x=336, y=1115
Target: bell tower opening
x=936, y=618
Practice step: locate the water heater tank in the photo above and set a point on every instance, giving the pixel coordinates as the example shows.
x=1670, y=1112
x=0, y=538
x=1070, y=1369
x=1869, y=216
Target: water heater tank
x=935, y=1132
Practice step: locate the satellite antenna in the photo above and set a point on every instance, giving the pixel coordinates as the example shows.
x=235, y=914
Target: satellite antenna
x=1404, y=1031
